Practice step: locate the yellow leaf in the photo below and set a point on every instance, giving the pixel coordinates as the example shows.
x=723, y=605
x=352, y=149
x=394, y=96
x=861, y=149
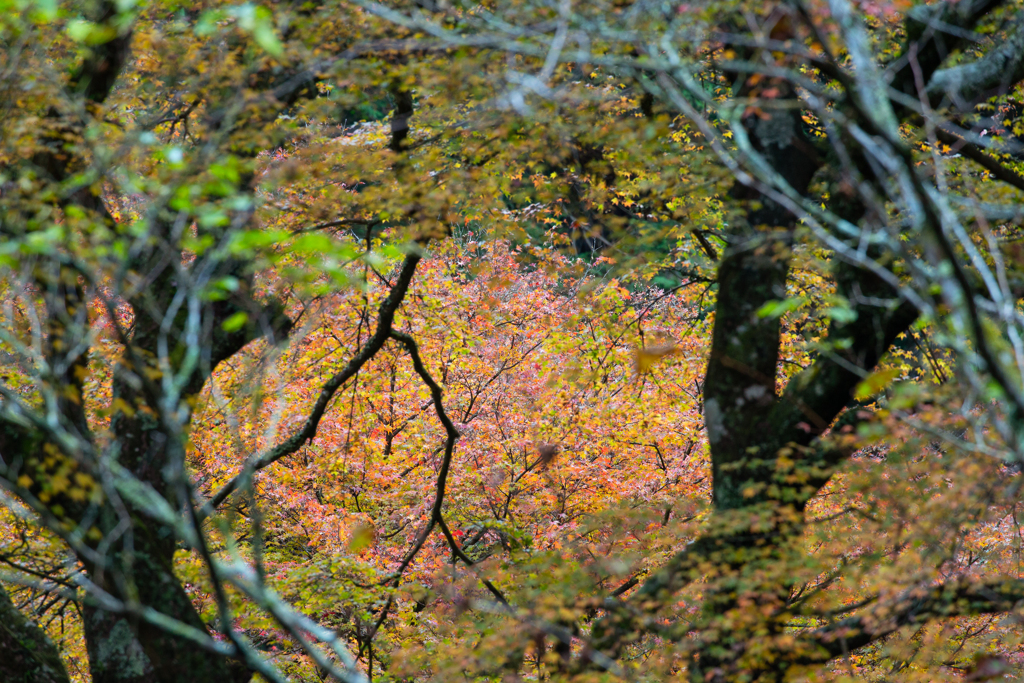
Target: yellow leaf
x=647, y=356
x=120, y=405
x=874, y=383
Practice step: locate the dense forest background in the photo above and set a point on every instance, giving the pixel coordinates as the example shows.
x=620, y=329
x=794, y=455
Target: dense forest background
x=511, y=340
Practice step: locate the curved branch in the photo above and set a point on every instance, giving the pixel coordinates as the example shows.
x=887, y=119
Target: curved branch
x=933, y=33
x=305, y=434
x=997, y=71
x=452, y=434
x=975, y=153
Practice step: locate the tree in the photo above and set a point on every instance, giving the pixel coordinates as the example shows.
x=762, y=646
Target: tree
x=278, y=388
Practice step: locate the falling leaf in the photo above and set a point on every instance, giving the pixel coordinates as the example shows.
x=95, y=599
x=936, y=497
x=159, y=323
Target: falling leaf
x=647, y=356
x=874, y=383
x=361, y=538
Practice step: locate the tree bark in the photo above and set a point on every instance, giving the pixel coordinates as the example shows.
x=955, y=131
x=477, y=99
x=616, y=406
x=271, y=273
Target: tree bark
x=27, y=655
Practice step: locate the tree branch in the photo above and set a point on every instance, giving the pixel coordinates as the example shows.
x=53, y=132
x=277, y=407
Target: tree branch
x=305, y=434
x=933, y=33
x=995, y=72
x=917, y=606
x=975, y=154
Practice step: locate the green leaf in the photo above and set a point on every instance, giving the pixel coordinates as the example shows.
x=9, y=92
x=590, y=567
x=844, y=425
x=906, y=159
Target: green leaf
x=841, y=314
x=46, y=10
x=87, y=32
x=235, y=321
x=313, y=243
x=245, y=241
x=776, y=309
x=259, y=22
x=266, y=38
x=211, y=217
x=208, y=21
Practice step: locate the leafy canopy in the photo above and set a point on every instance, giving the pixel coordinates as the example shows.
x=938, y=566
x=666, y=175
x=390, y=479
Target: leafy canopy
x=510, y=340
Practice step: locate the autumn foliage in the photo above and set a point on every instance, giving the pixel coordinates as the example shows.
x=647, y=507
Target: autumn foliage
x=505, y=341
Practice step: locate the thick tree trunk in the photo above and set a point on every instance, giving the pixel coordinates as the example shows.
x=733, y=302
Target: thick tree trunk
x=123, y=650
x=744, y=608
x=115, y=654
x=27, y=655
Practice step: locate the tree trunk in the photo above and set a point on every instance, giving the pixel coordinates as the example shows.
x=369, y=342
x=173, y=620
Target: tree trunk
x=27, y=655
